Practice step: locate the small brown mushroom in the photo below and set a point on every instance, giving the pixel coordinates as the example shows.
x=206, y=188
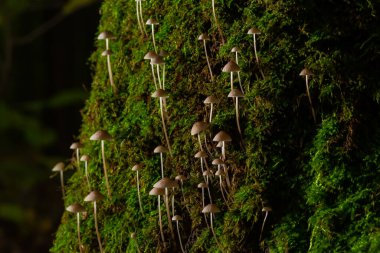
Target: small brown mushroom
x=137, y=168
x=197, y=128
x=103, y=136
x=237, y=50
x=158, y=61
x=205, y=37
x=159, y=192
x=160, y=150
x=254, y=31
x=178, y=218
x=212, y=209
x=223, y=137
x=210, y=100
x=265, y=209
x=95, y=196
x=231, y=67
x=152, y=22
x=76, y=146
x=59, y=167
x=162, y=95
x=107, y=35
x=236, y=94
x=149, y=56
x=77, y=209
x=306, y=73
x=86, y=159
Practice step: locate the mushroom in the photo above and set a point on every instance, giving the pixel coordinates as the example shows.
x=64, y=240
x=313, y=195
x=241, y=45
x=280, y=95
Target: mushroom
x=86, y=159
x=163, y=54
x=231, y=67
x=207, y=174
x=181, y=178
x=212, y=209
x=76, y=146
x=166, y=183
x=223, y=137
x=77, y=209
x=197, y=128
x=162, y=95
x=210, y=100
x=136, y=168
x=202, y=186
x=107, y=35
x=95, y=196
x=235, y=94
x=237, y=50
x=265, y=209
x=202, y=155
x=153, y=22
x=219, y=173
x=306, y=73
x=160, y=150
x=133, y=237
x=158, y=61
x=205, y=37
x=178, y=218
x=254, y=31
x=159, y=192
x=103, y=136
x=149, y=56
x=59, y=167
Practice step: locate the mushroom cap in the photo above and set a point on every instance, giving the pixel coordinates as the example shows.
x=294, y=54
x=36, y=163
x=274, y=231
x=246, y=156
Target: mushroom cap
x=236, y=93
x=152, y=21
x=85, y=158
x=180, y=177
x=106, y=52
x=198, y=127
x=157, y=191
x=59, y=167
x=266, y=209
x=254, y=30
x=222, y=136
x=203, y=36
x=157, y=60
x=165, y=183
x=306, y=72
x=210, y=100
x=75, y=208
x=163, y=53
x=160, y=149
x=207, y=173
x=219, y=173
x=211, y=208
x=217, y=161
x=160, y=93
x=101, y=135
x=231, y=66
x=201, y=154
x=235, y=49
x=94, y=196
x=137, y=167
x=76, y=145
x=106, y=35
x=150, y=55
x=202, y=185
x=177, y=218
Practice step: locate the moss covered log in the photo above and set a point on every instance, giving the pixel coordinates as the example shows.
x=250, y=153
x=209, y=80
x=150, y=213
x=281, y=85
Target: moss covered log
x=314, y=181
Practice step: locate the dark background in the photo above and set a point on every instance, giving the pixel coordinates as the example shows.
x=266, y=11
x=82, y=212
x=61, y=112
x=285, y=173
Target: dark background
x=44, y=80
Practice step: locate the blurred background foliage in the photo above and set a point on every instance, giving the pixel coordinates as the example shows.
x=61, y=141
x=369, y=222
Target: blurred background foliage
x=44, y=47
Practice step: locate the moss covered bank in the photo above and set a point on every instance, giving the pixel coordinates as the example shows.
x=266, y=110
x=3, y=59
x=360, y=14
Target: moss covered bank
x=321, y=179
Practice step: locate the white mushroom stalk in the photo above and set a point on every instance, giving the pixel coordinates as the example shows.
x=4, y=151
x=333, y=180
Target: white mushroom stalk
x=158, y=192
x=95, y=196
x=235, y=94
x=222, y=137
x=161, y=94
x=106, y=35
x=236, y=50
x=138, y=16
x=205, y=37
x=266, y=210
x=152, y=22
x=59, y=167
x=85, y=159
x=77, y=209
x=212, y=209
x=177, y=218
x=137, y=168
x=202, y=186
x=254, y=31
x=306, y=73
x=211, y=100
x=220, y=173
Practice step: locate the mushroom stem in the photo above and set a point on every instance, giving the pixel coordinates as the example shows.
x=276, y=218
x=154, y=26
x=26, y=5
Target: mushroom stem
x=138, y=192
x=262, y=228
x=223, y=151
x=78, y=162
x=173, y=202
x=154, y=76
x=216, y=21
x=238, y=73
x=237, y=114
x=62, y=184
x=254, y=47
x=203, y=198
x=97, y=229
x=86, y=173
x=308, y=95
x=211, y=112
x=110, y=68
x=200, y=143
x=163, y=77
x=221, y=189
x=158, y=75
x=78, y=228
x=138, y=16
x=208, y=189
x=179, y=237
x=160, y=220
x=208, y=62
x=232, y=81
x=162, y=165
x=164, y=127
x=105, y=169
x=154, y=41
x=142, y=22
x=168, y=212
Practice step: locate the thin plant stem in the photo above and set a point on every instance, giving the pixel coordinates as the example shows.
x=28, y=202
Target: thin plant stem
x=86, y=173
x=154, y=76
x=208, y=62
x=78, y=228
x=208, y=150
x=160, y=220
x=97, y=229
x=138, y=192
x=254, y=47
x=223, y=151
x=179, y=238
x=141, y=18
x=158, y=75
x=173, y=202
x=154, y=41
x=62, y=184
x=308, y=95
x=138, y=16
x=110, y=68
x=262, y=227
x=162, y=165
x=237, y=115
x=105, y=169
x=209, y=192
x=232, y=80
x=168, y=213
x=211, y=112
x=164, y=127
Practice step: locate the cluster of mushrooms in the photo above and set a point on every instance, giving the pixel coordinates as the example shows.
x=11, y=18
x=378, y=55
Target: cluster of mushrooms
x=167, y=188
